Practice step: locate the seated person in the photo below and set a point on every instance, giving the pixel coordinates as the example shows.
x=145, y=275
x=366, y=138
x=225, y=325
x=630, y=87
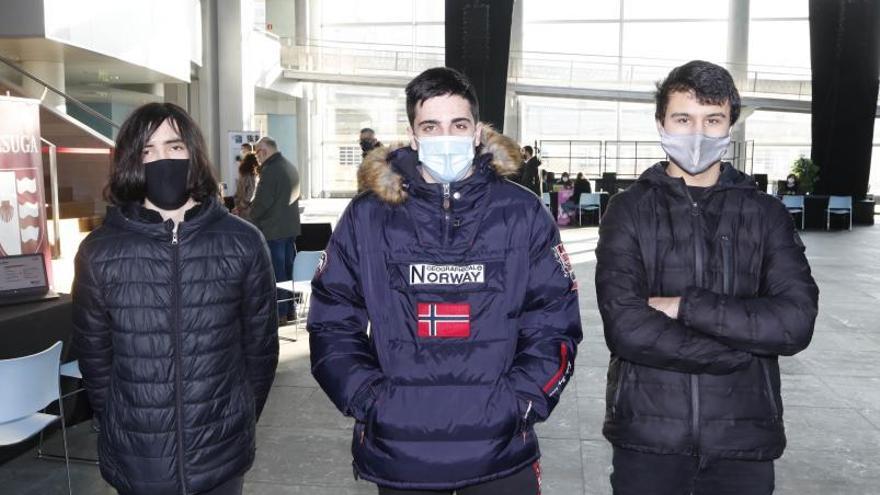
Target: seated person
x=581, y=185
x=791, y=186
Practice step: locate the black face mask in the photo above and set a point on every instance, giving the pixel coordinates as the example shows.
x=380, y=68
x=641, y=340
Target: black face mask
x=367, y=144
x=167, y=182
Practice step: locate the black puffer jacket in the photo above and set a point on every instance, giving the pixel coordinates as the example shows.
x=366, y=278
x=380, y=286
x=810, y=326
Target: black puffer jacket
x=177, y=341
x=708, y=382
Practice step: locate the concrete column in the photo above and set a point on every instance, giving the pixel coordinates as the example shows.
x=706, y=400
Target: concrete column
x=511, y=110
x=738, y=60
x=235, y=76
x=207, y=86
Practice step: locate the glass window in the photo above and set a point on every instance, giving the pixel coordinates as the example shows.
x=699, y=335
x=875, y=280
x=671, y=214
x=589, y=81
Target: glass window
x=776, y=47
x=583, y=38
x=680, y=9
x=672, y=42
x=779, y=8
x=535, y=10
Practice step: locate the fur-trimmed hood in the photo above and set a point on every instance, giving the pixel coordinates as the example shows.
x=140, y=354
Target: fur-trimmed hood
x=378, y=174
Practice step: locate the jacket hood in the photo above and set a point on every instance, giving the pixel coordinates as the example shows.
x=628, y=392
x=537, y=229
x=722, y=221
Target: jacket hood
x=730, y=178
x=378, y=174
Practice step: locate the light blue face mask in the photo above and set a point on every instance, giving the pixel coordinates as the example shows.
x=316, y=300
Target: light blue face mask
x=447, y=158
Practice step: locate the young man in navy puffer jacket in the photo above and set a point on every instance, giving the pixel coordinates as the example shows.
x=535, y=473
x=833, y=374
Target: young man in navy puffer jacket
x=470, y=299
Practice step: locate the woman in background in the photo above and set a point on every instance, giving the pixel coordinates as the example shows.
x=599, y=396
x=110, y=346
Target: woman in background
x=248, y=172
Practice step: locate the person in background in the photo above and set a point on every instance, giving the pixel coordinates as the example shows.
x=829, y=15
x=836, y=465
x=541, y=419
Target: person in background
x=565, y=181
x=791, y=187
x=531, y=178
x=368, y=141
x=174, y=318
x=248, y=172
x=275, y=211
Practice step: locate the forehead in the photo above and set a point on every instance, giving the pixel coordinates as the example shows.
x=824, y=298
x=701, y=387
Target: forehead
x=687, y=102
x=443, y=108
x=165, y=132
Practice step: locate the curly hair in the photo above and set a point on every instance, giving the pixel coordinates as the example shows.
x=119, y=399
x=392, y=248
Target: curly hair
x=711, y=84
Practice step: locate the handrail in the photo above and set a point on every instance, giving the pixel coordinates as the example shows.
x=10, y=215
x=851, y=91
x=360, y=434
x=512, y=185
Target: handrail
x=89, y=110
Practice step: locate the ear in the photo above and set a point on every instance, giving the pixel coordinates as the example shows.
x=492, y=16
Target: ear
x=412, y=138
x=478, y=136
x=659, y=126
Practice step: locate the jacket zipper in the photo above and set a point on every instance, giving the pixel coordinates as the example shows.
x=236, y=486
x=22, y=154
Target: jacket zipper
x=726, y=260
x=695, y=378
x=447, y=205
x=175, y=288
x=774, y=409
x=621, y=370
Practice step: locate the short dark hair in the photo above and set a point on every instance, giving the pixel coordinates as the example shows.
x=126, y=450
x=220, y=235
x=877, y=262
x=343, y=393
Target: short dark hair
x=128, y=184
x=711, y=84
x=440, y=81
x=247, y=145
x=528, y=149
x=367, y=129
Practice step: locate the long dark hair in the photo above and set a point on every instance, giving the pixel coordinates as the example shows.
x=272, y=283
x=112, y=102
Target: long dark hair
x=127, y=182
x=249, y=165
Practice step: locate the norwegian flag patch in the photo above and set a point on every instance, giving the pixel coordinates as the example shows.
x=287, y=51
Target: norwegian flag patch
x=444, y=320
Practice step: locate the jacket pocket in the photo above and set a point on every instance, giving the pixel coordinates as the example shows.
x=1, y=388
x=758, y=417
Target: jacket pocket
x=771, y=395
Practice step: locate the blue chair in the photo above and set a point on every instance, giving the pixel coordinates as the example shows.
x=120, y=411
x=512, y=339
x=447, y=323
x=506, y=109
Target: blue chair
x=590, y=202
x=304, y=267
x=838, y=205
x=545, y=197
x=795, y=205
x=30, y=384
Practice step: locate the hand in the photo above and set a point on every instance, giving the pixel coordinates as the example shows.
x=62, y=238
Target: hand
x=666, y=305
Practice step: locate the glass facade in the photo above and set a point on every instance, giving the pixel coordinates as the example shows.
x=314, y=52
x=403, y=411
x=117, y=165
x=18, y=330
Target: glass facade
x=617, y=44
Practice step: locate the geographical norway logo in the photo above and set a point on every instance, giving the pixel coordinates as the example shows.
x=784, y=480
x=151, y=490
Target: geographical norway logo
x=444, y=320
x=565, y=263
x=322, y=265
x=446, y=274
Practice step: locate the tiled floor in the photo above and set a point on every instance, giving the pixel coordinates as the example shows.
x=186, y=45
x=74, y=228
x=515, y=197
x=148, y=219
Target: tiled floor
x=831, y=390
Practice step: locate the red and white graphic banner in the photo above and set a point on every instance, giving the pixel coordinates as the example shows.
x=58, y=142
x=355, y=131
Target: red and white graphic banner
x=444, y=320
x=22, y=198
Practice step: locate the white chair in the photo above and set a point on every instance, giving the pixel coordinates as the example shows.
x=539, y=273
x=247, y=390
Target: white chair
x=795, y=205
x=69, y=370
x=30, y=384
x=838, y=205
x=545, y=198
x=304, y=266
x=590, y=202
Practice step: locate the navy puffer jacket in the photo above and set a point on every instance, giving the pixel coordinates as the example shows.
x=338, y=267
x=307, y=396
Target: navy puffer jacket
x=473, y=315
x=177, y=341
x=706, y=383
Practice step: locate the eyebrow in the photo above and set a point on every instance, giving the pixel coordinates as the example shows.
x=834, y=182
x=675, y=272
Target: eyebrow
x=454, y=121
x=685, y=114
x=170, y=141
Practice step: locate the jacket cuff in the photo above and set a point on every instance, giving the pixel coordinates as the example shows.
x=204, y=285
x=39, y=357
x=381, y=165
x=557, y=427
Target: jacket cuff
x=363, y=401
x=689, y=308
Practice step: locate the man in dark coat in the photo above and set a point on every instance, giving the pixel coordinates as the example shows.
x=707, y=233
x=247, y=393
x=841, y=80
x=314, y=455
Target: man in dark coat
x=530, y=177
x=275, y=211
x=702, y=284
x=470, y=299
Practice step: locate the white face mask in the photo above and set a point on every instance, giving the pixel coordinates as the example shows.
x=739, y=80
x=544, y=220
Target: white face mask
x=447, y=158
x=694, y=153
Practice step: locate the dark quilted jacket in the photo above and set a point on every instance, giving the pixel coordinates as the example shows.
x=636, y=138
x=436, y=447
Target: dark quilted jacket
x=178, y=346
x=445, y=406
x=708, y=382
